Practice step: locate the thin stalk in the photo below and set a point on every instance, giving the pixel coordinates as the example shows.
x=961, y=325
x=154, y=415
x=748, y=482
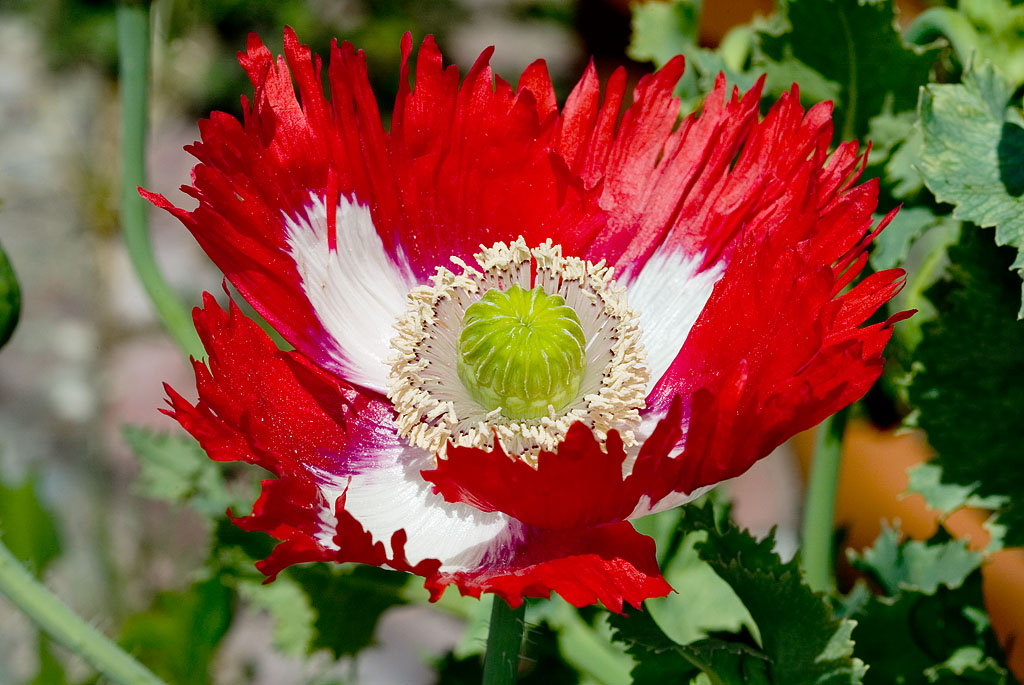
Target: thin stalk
x=504, y=639
x=66, y=627
x=820, y=503
x=133, y=64
x=947, y=23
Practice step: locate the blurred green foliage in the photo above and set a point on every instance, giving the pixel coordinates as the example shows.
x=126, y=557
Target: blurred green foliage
x=10, y=299
x=27, y=527
x=178, y=635
x=206, y=35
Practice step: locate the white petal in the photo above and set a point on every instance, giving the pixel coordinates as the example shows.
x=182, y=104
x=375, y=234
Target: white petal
x=356, y=291
x=669, y=294
x=673, y=499
x=388, y=498
x=645, y=506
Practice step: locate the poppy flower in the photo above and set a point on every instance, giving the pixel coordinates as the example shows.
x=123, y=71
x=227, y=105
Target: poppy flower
x=516, y=328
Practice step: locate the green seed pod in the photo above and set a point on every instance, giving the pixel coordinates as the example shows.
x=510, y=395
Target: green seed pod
x=521, y=350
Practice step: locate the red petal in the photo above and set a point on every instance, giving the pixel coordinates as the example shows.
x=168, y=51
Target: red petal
x=611, y=564
x=280, y=411
x=774, y=352
x=580, y=485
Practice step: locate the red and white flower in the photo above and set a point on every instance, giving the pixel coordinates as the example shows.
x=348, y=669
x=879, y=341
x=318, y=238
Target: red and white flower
x=708, y=262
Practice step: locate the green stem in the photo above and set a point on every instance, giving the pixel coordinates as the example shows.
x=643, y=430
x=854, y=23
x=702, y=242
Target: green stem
x=66, y=627
x=501, y=662
x=949, y=24
x=133, y=63
x=849, y=130
x=819, y=504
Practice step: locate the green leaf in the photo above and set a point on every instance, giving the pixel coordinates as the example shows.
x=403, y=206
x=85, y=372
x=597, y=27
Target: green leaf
x=973, y=154
x=896, y=142
x=660, y=659
x=51, y=671
x=912, y=634
x=926, y=480
x=891, y=247
x=855, y=44
x=10, y=299
x=349, y=602
x=174, y=468
x=915, y=565
x=702, y=602
x=1000, y=31
x=289, y=607
x=802, y=638
x=967, y=389
x=179, y=634
x=587, y=646
x=968, y=665
x=978, y=31
x=28, y=529
x=662, y=30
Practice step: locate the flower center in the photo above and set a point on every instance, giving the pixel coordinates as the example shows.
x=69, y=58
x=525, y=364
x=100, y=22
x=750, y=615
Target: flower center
x=521, y=351
x=514, y=351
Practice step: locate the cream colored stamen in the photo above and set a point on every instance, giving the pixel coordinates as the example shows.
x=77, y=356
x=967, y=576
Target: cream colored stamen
x=433, y=406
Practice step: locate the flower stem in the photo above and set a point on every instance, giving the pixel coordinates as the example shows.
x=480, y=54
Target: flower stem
x=501, y=662
x=133, y=65
x=819, y=504
x=66, y=627
x=947, y=23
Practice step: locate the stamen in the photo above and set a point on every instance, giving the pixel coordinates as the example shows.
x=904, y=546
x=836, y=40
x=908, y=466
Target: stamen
x=434, y=407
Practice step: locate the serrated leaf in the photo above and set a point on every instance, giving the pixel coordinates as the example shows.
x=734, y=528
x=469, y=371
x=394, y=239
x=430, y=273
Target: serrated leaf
x=702, y=602
x=914, y=565
x=968, y=665
x=802, y=638
x=926, y=480
x=10, y=299
x=967, y=390
x=289, y=607
x=27, y=528
x=174, y=468
x=349, y=602
x=660, y=660
x=973, y=155
x=179, y=634
x=854, y=43
x=905, y=636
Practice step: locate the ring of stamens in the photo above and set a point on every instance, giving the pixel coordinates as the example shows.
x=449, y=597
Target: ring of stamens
x=433, y=406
